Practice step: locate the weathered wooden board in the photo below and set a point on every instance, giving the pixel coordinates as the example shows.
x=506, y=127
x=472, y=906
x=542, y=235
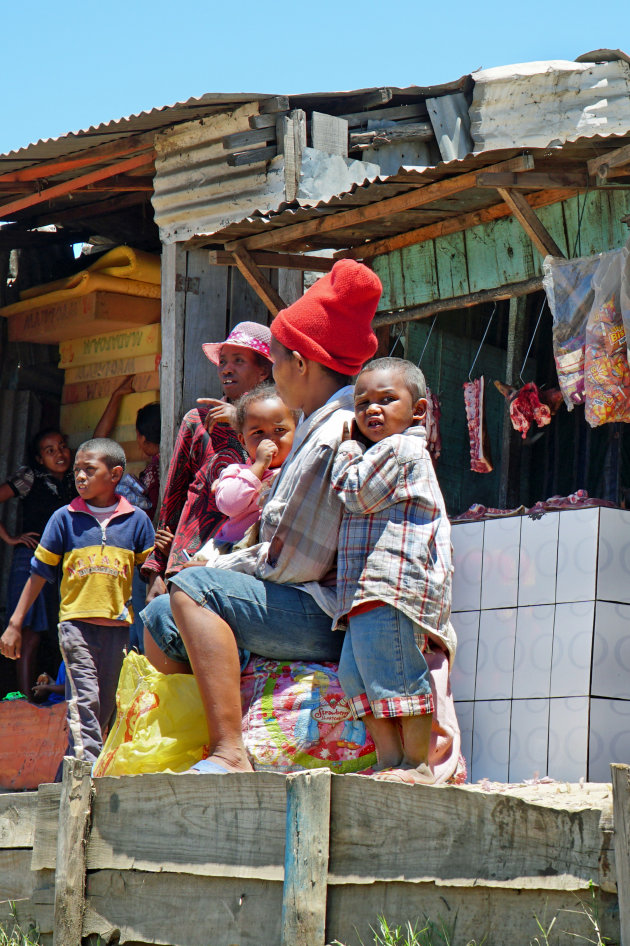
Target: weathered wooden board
x=183, y=910
x=206, y=321
x=451, y=266
x=16, y=879
x=245, y=305
x=500, y=252
x=471, y=839
x=97, y=349
x=494, y=916
x=17, y=819
x=60, y=321
x=103, y=387
x=221, y=825
x=86, y=414
x=46, y=821
x=116, y=368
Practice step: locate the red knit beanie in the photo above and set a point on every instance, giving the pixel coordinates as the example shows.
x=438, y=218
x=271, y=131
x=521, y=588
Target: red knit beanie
x=331, y=323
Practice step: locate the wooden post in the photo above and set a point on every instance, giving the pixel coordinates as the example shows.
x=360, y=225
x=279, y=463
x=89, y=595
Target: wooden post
x=72, y=829
x=172, y=363
x=621, y=818
x=306, y=859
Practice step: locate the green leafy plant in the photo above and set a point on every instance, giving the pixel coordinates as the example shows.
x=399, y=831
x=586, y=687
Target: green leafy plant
x=12, y=934
x=431, y=934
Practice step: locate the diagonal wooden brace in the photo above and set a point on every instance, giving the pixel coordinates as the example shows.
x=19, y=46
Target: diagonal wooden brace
x=261, y=286
x=538, y=234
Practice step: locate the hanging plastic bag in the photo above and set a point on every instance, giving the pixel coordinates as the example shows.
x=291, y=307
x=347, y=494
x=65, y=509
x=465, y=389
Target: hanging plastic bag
x=570, y=293
x=606, y=371
x=624, y=295
x=160, y=723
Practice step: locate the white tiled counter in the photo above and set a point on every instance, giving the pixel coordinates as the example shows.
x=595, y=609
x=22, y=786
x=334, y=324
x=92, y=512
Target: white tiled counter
x=542, y=673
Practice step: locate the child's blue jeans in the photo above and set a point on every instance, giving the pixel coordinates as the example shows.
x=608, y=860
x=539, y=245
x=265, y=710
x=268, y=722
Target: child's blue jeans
x=382, y=668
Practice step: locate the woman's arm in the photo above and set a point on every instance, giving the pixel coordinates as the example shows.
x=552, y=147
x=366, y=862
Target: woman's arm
x=108, y=418
x=26, y=538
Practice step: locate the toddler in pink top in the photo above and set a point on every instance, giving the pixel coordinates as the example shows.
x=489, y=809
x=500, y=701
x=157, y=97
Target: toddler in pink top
x=265, y=428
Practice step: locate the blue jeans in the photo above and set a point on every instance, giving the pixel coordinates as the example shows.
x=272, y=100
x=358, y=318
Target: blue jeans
x=276, y=621
x=382, y=668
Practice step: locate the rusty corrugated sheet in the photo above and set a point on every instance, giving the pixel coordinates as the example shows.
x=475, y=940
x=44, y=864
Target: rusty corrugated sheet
x=546, y=104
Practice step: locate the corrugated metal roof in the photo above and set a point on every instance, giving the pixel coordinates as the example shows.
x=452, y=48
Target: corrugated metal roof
x=156, y=118
x=573, y=154
x=545, y=104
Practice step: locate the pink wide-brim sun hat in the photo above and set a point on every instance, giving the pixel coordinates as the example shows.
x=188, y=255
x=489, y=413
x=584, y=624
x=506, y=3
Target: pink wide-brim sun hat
x=250, y=335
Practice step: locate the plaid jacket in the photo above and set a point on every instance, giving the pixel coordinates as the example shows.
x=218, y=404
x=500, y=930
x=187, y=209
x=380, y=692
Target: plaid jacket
x=395, y=539
x=299, y=528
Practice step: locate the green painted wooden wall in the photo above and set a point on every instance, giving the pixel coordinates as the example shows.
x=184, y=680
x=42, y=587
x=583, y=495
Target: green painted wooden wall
x=495, y=254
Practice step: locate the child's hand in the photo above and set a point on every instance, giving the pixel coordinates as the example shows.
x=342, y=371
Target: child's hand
x=345, y=433
x=265, y=452
x=163, y=540
x=220, y=412
x=195, y=562
x=11, y=642
x=42, y=688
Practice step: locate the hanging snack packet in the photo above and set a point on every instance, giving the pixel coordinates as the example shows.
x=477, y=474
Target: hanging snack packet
x=606, y=370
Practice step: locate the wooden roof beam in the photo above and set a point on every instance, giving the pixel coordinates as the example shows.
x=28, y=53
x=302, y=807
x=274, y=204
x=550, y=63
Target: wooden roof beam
x=540, y=180
x=121, y=184
x=261, y=286
x=600, y=167
x=453, y=225
x=377, y=210
x=59, y=190
x=114, y=149
x=538, y=234
x=315, y=264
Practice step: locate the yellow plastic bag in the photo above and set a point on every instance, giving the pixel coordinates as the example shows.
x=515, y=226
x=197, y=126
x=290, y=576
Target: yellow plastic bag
x=160, y=723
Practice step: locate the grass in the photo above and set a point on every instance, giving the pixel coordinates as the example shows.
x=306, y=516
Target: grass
x=437, y=934
x=12, y=934
x=430, y=934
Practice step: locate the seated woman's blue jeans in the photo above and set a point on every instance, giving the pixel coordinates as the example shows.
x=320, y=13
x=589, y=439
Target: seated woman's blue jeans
x=280, y=622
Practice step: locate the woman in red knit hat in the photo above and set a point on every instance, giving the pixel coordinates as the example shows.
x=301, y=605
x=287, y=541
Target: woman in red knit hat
x=277, y=599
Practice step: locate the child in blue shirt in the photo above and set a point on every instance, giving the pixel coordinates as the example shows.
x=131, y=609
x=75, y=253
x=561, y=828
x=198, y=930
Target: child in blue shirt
x=98, y=539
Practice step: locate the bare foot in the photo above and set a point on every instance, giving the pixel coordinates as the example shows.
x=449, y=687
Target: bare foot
x=406, y=775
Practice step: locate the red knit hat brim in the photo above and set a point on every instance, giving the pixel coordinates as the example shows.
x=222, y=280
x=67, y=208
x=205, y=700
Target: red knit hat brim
x=331, y=323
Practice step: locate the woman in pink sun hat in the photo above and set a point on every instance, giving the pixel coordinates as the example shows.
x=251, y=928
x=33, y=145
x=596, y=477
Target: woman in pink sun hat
x=205, y=445
x=277, y=598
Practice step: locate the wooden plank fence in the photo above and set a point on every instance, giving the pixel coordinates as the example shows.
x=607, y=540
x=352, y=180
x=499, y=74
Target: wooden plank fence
x=264, y=859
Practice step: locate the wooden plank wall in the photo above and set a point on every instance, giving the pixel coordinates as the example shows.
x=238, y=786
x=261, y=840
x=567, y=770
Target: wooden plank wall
x=499, y=253
x=194, y=860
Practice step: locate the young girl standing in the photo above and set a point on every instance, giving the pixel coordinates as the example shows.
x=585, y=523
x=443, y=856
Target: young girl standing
x=43, y=486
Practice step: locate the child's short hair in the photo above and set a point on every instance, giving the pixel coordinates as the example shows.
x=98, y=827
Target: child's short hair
x=148, y=422
x=110, y=452
x=412, y=376
x=262, y=392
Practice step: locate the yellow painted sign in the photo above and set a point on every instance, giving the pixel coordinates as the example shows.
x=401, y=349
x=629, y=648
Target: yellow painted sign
x=86, y=414
x=113, y=345
x=117, y=368
x=92, y=390
x=71, y=318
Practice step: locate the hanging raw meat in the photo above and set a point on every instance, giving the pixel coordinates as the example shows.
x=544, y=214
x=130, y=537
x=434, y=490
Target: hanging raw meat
x=528, y=405
x=474, y=398
x=432, y=425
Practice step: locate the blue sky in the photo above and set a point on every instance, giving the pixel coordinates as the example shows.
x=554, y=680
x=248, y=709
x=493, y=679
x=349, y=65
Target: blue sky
x=66, y=65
